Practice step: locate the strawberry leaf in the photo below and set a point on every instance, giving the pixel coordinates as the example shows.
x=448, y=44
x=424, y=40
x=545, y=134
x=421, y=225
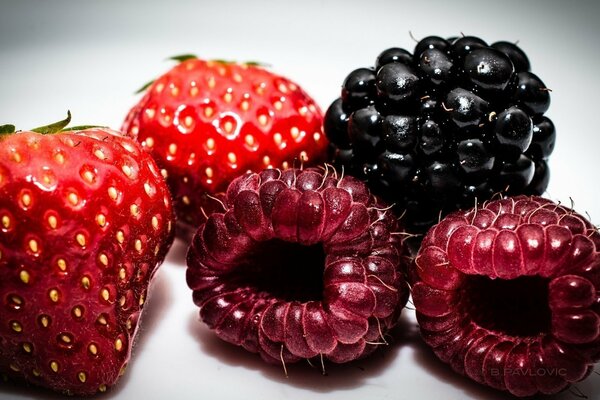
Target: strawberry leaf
x=179, y=58
x=248, y=63
x=55, y=127
x=6, y=129
x=257, y=64
x=82, y=127
x=143, y=88
x=183, y=57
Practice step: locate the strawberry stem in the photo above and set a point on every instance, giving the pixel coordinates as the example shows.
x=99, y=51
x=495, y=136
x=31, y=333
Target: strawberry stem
x=55, y=127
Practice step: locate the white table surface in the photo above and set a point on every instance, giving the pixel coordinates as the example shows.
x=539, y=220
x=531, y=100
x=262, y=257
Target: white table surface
x=90, y=57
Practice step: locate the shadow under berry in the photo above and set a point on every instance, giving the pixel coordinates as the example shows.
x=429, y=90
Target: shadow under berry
x=337, y=377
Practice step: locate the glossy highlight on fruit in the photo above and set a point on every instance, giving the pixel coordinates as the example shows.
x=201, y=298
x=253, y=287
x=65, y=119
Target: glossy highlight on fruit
x=507, y=294
x=206, y=122
x=432, y=131
x=299, y=264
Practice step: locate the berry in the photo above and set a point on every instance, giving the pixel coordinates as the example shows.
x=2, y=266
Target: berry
x=531, y=93
x=443, y=176
x=299, y=264
x=85, y=222
x=540, y=179
x=488, y=68
x=432, y=137
x=515, y=176
x=430, y=42
x=205, y=122
x=461, y=47
x=543, y=139
x=400, y=132
x=514, y=130
x=397, y=82
x=507, y=294
x=364, y=129
x=466, y=108
x=336, y=121
x=393, y=55
x=456, y=120
x=437, y=65
x=399, y=166
x=517, y=56
x=473, y=157
x=429, y=106
x=359, y=87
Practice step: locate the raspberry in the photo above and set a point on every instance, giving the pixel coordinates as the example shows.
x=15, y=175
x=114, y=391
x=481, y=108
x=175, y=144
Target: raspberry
x=301, y=263
x=507, y=294
x=432, y=131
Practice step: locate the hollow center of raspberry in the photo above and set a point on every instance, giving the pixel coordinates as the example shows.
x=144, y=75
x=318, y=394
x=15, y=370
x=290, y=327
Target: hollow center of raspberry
x=515, y=307
x=284, y=270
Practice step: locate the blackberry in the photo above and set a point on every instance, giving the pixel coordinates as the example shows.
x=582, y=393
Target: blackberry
x=456, y=120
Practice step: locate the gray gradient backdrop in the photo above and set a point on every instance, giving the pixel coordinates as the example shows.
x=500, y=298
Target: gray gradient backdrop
x=90, y=57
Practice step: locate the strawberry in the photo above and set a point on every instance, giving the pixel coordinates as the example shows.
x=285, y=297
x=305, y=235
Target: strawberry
x=85, y=220
x=206, y=122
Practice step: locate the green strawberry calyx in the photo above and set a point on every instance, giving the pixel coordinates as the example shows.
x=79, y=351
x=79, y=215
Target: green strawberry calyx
x=184, y=57
x=7, y=129
x=55, y=127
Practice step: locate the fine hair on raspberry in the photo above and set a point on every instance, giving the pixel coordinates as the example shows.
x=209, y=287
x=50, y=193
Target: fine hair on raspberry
x=507, y=294
x=300, y=264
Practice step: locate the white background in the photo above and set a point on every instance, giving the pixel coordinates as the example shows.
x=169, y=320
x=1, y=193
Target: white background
x=90, y=57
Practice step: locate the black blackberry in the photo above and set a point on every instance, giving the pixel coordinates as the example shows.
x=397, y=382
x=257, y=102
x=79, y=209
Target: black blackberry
x=455, y=121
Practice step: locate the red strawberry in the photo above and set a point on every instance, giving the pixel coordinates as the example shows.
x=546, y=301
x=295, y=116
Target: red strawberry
x=206, y=122
x=508, y=294
x=300, y=264
x=85, y=220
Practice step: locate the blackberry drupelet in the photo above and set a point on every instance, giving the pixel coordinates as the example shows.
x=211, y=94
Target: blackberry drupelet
x=455, y=121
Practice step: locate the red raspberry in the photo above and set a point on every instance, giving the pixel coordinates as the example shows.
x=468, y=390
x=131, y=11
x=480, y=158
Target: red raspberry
x=300, y=264
x=507, y=294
